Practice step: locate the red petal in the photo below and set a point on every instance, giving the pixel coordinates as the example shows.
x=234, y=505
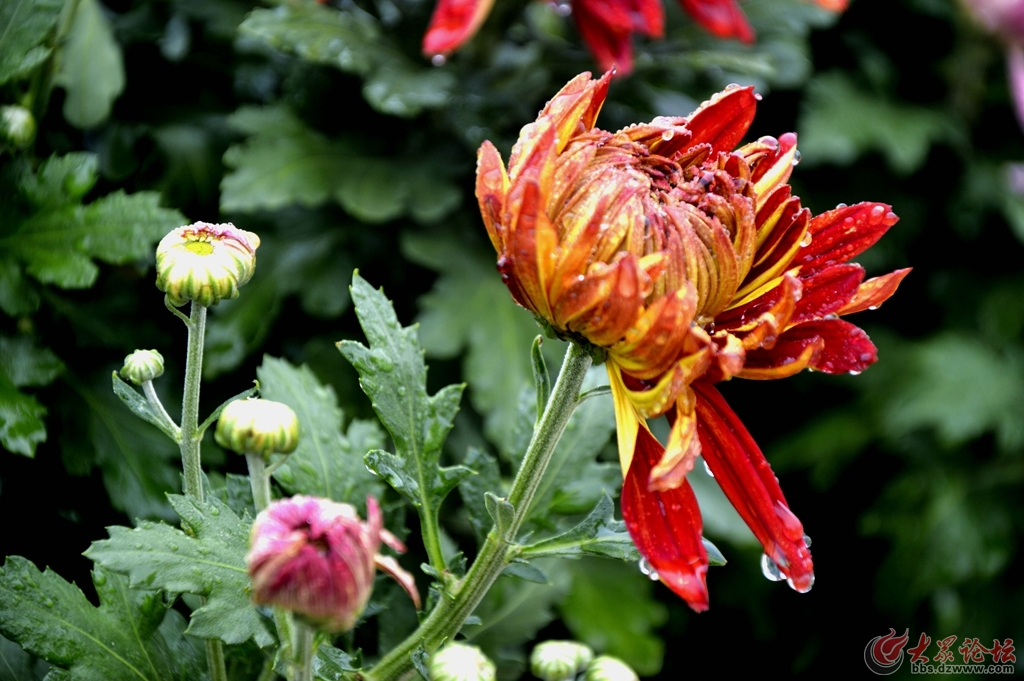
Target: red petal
x=847, y=347
x=666, y=526
x=844, y=233
x=606, y=29
x=827, y=291
x=746, y=478
x=875, y=291
x=792, y=353
x=723, y=121
x=453, y=23
x=723, y=18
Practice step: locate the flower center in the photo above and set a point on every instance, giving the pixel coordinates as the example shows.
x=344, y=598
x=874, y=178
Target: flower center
x=199, y=247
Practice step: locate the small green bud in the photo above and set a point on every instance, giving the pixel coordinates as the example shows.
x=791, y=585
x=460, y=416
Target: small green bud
x=17, y=125
x=142, y=366
x=460, y=662
x=559, y=660
x=608, y=668
x=205, y=263
x=256, y=426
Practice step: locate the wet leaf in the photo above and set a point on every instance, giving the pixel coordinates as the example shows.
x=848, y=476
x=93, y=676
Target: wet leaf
x=24, y=25
x=91, y=67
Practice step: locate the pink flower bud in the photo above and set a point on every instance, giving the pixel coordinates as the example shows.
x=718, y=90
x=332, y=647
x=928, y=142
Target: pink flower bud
x=316, y=558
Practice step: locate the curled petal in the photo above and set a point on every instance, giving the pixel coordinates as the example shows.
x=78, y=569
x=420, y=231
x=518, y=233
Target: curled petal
x=723, y=18
x=403, y=577
x=793, y=352
x=491, y=187
x=843, y=233
x=666, y=526
x=532, y=241
x=453, y=23
x=627, y=420
x=873, y=292
x=724, y=119
x=575, y=107
x=847, y=348
x=683, y=445
x=604, y=305
x=747, y=480
x=656, y=339
x=773, y=171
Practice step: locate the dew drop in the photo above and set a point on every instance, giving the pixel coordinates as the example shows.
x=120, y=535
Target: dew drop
x=770, y=570
x=805, y=588
x=854, y=372
x=48, y=602
x=806, y=241
x=757, y=96
x=707, y=469
x=865, y=356
x=372, y=472
x=214, y=511
x=796, y=157
x=667, y=135
x=563, y=9
x=646, y=568
x=877, y=211
x=99, y=579
x=807, y=541
x=438, y=60
x=840, y=206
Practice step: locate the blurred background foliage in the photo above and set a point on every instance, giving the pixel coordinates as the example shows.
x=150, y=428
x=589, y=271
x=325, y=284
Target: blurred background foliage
x=321, y=128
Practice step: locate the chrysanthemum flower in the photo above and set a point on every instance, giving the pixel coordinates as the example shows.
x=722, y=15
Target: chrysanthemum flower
x=685, y=261
x=205, y=263
x=316, y=558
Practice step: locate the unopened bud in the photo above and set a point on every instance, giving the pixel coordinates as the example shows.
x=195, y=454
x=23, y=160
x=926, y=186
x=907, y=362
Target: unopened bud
x=317, y=559
x=608, y=668
x=17, y=125
x=142, y=366
x=559, y=660
x=205, y=263
x=460, y=662
x=255, y=426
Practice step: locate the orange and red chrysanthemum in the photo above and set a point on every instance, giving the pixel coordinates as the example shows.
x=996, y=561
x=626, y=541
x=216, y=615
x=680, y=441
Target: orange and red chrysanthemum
x=686, y=261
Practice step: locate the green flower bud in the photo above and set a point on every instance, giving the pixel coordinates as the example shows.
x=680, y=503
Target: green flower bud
x=460, y=662
x=17, y=125
x=608, y=668
x=205, y=263
x=255, y=426
x=559, y=660
x=142, y=366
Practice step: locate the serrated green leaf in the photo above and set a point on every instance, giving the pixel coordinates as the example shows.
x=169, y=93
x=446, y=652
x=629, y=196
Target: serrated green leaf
x=121, y=639
x=612, y=609
x=332, y=664
x=24, y=24
x=393, y=375
x=210, y=564
x=21, y=420
x=326, y=463
x=351, y=40
x=474, y=488
x=26, y=364
x=599, y=534
x=91, y=67
x=840, y=123
x=470, y=308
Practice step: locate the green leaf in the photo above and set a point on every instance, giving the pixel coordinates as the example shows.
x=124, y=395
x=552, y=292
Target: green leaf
x=91, y=67
x=351, y=40
x=16, y=664
x=474, y=489
x=24, y=24
x=393, y=375
x=58, y=242
x=140, y=406
x=127, y=637
x=469, y=308
x=17, y=296
x=332, y=664
x=599, y=534
x=210, y=564
x=326, y=463
x=21, y=420
x=840, y=123
x=28, y=365
x=612, y=609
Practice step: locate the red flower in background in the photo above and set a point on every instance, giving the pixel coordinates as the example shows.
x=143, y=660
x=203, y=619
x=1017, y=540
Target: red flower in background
x=688, y=262
x=607, y=26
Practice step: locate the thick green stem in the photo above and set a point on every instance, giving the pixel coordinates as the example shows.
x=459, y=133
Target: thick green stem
x=191, y=461
x=258, y=480
x=190, y=437
x=447, y=618
x=305, y=648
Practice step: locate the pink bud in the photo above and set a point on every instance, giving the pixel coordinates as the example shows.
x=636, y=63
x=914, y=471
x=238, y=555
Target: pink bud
x=316, y=558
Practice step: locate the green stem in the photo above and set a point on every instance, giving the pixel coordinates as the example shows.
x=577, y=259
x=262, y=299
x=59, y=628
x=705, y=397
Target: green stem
x=447, y=618
x=258, y=480
x=190, y=454
x=305, y=648
x=158, y=407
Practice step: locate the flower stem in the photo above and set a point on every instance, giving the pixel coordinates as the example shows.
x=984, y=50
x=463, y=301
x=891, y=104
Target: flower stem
x=258, y=480
x=158, y=407
x=191, y=457
x=447, y=618
x=305, y=648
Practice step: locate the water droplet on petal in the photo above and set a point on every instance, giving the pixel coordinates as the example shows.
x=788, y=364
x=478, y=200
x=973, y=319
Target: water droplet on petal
x=807, y=541
x=796, y=157
x=757, y=96
x=707, y=469
x=770, y=570
x=806, y=241
x=854, y=372
x=805, y=589
x=667, y=135
x=438, y=60
x=840, y=206
x=646, y=568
